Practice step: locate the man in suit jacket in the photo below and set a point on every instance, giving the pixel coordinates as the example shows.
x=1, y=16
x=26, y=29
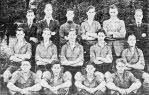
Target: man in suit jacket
x=49, y=22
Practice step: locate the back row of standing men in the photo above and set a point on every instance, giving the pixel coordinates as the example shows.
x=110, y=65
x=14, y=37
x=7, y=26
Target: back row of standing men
x=68, y=40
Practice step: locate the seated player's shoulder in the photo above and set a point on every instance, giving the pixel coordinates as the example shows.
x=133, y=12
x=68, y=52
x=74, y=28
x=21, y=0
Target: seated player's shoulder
x=18, y=72
x=108, y=46
x=52, y=44
x=63, y=25
x=56, y=21
x=128, y=73
x=121, y=21
x=31, y=72
x=97, y=73
x=96, y=22
x=67, y=76
x=125, y=50
x=93, y=46
x=67, y=73
x=28, y=44
x=47, y=75
x=65, y=46
x=139, y=50
x=106, y=21
x=80, y=45
x=84, y=23
x=39, y=45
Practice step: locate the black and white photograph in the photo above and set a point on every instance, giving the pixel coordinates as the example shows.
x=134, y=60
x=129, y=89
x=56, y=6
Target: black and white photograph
x=74, y=47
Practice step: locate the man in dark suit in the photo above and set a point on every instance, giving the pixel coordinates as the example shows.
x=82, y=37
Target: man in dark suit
x=49, y=22
x=30, y=27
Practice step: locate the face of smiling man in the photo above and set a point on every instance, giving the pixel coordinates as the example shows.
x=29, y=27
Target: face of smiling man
x=91, y=13
x=25, y=66
x=56, y=68
x=20, y=34
x=48, y=10
x=131, y=40
x=113, y=12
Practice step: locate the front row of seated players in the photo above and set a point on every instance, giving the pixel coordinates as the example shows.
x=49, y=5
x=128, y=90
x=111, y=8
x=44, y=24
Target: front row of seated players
x=88, y=81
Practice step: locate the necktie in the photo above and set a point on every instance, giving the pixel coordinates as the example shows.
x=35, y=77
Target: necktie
x=138, y=24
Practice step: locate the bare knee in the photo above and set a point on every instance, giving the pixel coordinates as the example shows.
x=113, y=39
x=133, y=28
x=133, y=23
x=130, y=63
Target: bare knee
x=46, y=75
x=39, y=73
x=6, y=75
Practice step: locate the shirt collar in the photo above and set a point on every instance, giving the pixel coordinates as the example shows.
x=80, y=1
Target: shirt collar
x=76, y=44
x=45, y=18
x=104, y=44
x=134, y=48
x=70, y=22
x=29, y=74
x=86, y=21
x=24, y=43
x=116, y=73
x=49, y=44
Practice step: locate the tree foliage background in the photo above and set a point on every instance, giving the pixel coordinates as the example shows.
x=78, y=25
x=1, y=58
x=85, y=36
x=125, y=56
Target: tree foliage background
x=12, y=10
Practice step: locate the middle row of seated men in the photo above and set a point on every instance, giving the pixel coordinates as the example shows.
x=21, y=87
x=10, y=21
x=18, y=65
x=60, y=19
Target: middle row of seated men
x=71, y=57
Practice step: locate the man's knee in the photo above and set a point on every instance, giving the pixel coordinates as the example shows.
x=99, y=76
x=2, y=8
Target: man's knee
x=48, y=92
x=99, y=92
x=12, y=92
x=39, y=73
x=34, y=93
x=115, y=93
x=83, y=92
x=145, y=76
x=46, y=74
x=6, y=75
x=63, y=91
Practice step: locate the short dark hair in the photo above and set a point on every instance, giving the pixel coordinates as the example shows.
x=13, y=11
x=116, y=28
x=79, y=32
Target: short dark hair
x=90, y=63
x=113, y=7
x=70, y=9
x=20, y=29
x=56, y=63
x=46, y=29
x=48, y=4
x=120, y=60
x=131, y=35
x=90, y=7
x=138, y=10
x=25, y=61
x=73, y=29
x=101, y=31
x=30, y=11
